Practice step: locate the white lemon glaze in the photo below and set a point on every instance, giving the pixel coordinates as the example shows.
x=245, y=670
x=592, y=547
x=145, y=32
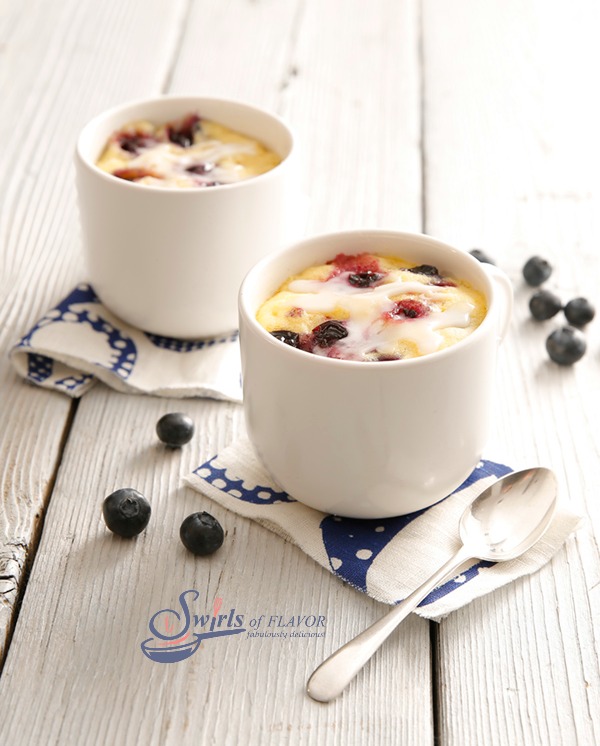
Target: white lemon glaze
x=375, y=328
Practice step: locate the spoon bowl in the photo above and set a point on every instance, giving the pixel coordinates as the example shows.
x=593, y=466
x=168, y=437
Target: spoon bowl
x=502, y=522
x=508, y=517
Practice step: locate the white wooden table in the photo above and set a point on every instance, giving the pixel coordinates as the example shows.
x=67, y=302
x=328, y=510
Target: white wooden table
x=472, y=120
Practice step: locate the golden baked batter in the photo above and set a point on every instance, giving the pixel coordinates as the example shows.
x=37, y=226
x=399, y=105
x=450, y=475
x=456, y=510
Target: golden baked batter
x=191, y=152
x=372, y=308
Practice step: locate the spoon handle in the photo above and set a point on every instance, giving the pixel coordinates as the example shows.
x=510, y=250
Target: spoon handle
x=337, y=671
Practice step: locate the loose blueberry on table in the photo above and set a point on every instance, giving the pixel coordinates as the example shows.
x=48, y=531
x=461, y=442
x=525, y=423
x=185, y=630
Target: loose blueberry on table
x=579, y=311
x=536, y=271
x=126, y=512
x=544, y=305
x=201, y=534
x=566, y=346
x=481, y=256
x=175, y=429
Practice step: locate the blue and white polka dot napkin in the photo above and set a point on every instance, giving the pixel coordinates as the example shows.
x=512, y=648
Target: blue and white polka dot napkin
x=387, y=558
x=79, y=342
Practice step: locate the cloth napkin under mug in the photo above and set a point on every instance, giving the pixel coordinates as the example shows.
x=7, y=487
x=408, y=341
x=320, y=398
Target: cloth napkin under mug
x=384, y=558
x=79, y=342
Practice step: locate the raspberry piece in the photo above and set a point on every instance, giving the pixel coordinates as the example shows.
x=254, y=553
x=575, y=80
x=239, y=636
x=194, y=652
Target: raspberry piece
x=134, y=174
x=386, y=358
x=306, y=342
x=408, y=308
x=356, y=263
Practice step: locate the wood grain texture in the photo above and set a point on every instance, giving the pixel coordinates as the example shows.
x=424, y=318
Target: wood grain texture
x=511, y=166
x=347, y=80
x=355, y=102
x=52, y=81
x=510, y=153
x=90, y=595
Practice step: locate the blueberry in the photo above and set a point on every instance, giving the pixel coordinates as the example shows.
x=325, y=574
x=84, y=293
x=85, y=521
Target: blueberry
x=201, y=533
x=566, y=346
x=201, y=168
x=129, y=144
x=544, y=305
x=329, y=332
x=536, y=271
x=126, y=512
x=579, y=311
x=175, y=429
x=481, y=256
x=289, y=338
x=134, y=143
x=424, y=269
x=182, y=133
x=364, y=279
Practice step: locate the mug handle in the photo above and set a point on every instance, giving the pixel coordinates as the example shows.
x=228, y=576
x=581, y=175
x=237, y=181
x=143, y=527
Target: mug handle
x=505, y=294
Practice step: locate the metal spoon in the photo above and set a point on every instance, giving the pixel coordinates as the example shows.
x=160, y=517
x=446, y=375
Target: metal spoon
x=501, y=523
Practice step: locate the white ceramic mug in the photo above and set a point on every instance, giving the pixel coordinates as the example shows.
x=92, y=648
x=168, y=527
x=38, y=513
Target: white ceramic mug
x=377, y=439
x=171, y=261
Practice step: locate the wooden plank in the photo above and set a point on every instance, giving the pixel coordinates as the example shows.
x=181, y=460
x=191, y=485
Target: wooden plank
x=90, y=596
x=355, y=101
x=50, y=58
x=347, y=82
x=511, y=165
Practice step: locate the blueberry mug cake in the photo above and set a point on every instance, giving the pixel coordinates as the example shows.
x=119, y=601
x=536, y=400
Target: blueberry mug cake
x=192, y=152
x=367, y=307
